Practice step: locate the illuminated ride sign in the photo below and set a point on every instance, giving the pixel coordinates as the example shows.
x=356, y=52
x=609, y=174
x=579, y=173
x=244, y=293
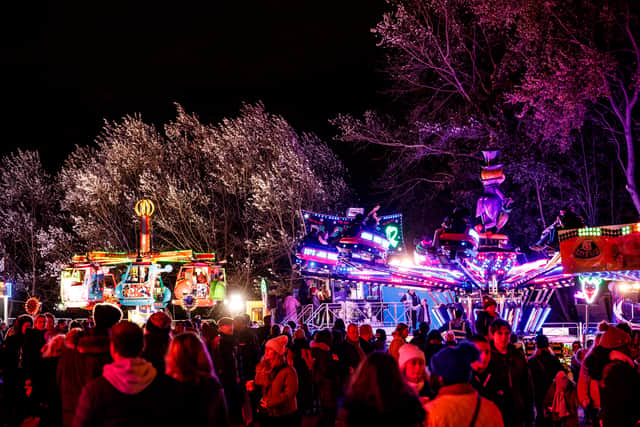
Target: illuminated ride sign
x=590, y=286
x=145, y=208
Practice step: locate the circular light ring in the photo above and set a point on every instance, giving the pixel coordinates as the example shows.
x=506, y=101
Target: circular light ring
x=144, y=207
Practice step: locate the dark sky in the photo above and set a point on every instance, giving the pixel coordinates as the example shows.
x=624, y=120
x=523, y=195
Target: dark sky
x=66, y=66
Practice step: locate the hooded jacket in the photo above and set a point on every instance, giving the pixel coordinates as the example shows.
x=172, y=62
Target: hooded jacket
x=514, y=379
x=130, y=392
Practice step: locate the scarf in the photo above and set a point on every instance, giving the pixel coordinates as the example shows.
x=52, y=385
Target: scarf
x=560, y=404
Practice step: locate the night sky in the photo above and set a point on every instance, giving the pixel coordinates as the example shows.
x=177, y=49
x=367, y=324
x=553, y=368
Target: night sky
x=66, y=66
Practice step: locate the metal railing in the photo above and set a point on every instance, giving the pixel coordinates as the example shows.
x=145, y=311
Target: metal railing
x=377, y=314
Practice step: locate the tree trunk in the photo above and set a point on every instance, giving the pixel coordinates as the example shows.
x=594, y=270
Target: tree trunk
x=540, y=208
x=630, y=170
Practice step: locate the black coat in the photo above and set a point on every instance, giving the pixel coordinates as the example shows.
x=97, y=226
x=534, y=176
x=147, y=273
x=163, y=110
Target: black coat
x=543, y=367
x=203, y=404
x=620, y=395
x=325, y=375
x=514, y=379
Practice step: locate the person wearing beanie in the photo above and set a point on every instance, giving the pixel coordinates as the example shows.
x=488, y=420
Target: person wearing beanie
x=411, y=362
x=611, y=365
x=543, y=365
x=156, y=339
x=84, y=362
x=130, y=390
x=279, y=384
x=457, y=403
x=486, y=316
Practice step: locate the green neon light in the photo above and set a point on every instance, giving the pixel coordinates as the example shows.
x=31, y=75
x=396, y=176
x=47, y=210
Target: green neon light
x=393, y=233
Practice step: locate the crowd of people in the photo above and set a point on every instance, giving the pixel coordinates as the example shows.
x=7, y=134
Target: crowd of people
x=113, y=372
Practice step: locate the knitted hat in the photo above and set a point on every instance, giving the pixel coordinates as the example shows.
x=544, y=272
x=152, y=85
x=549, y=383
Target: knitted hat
x=106, y=315
x=278, y=344
x=409, y=352
x=614, y=338
x=159, y=322
x=453, y=364
x=487, y=301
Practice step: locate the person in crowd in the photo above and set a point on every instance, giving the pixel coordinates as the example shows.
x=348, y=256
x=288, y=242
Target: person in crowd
x=543, y=365
x=301, y=360
x=178, y=328
x=248, y=349
x=512, y=375
x=51, y=321
x=412, y=367
x=458, y=222
x=50, y=410
x=286, y=331
x=566, y=220
x=226, y=364
x=459, y=326
x=561, y=401
x=291, y=305
x=618, y=377
x=378, y=396
x=589, y=388
x=279, y=384
x=420, y=336
x=12, y=369
x=399, y=339
x=486, y=316
x=423, y=314
x=350, y=353
x=156, y=339
x=457, y=403
x=85, y=361
x=412, y=303
x=325, y=378
x=61, y=326
x=367, y=339
x=576, y=359
x=262, y=333
x=483, y=378
x=34, y=340
x=209, y=332
x=339, y=331
x=130, y=389
x=381, y=340
x=188, y=362
x=434, y=344
x=275, y=332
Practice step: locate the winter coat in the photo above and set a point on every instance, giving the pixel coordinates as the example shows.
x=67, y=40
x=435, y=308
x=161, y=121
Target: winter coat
x=78, y=366
x=571, y=399
x=367, y=346
x=279, y=389
x=483, y=321
x=129, y=393
x=455, y=405
x=32, y=354
x=206, y=403
x=514, y=379
x=588, y=389
x=325, y=375
x=543, y=367
x=248, y=353
x=620, y=393
x=226, y=361
x=350, y=354
x=404, y=411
